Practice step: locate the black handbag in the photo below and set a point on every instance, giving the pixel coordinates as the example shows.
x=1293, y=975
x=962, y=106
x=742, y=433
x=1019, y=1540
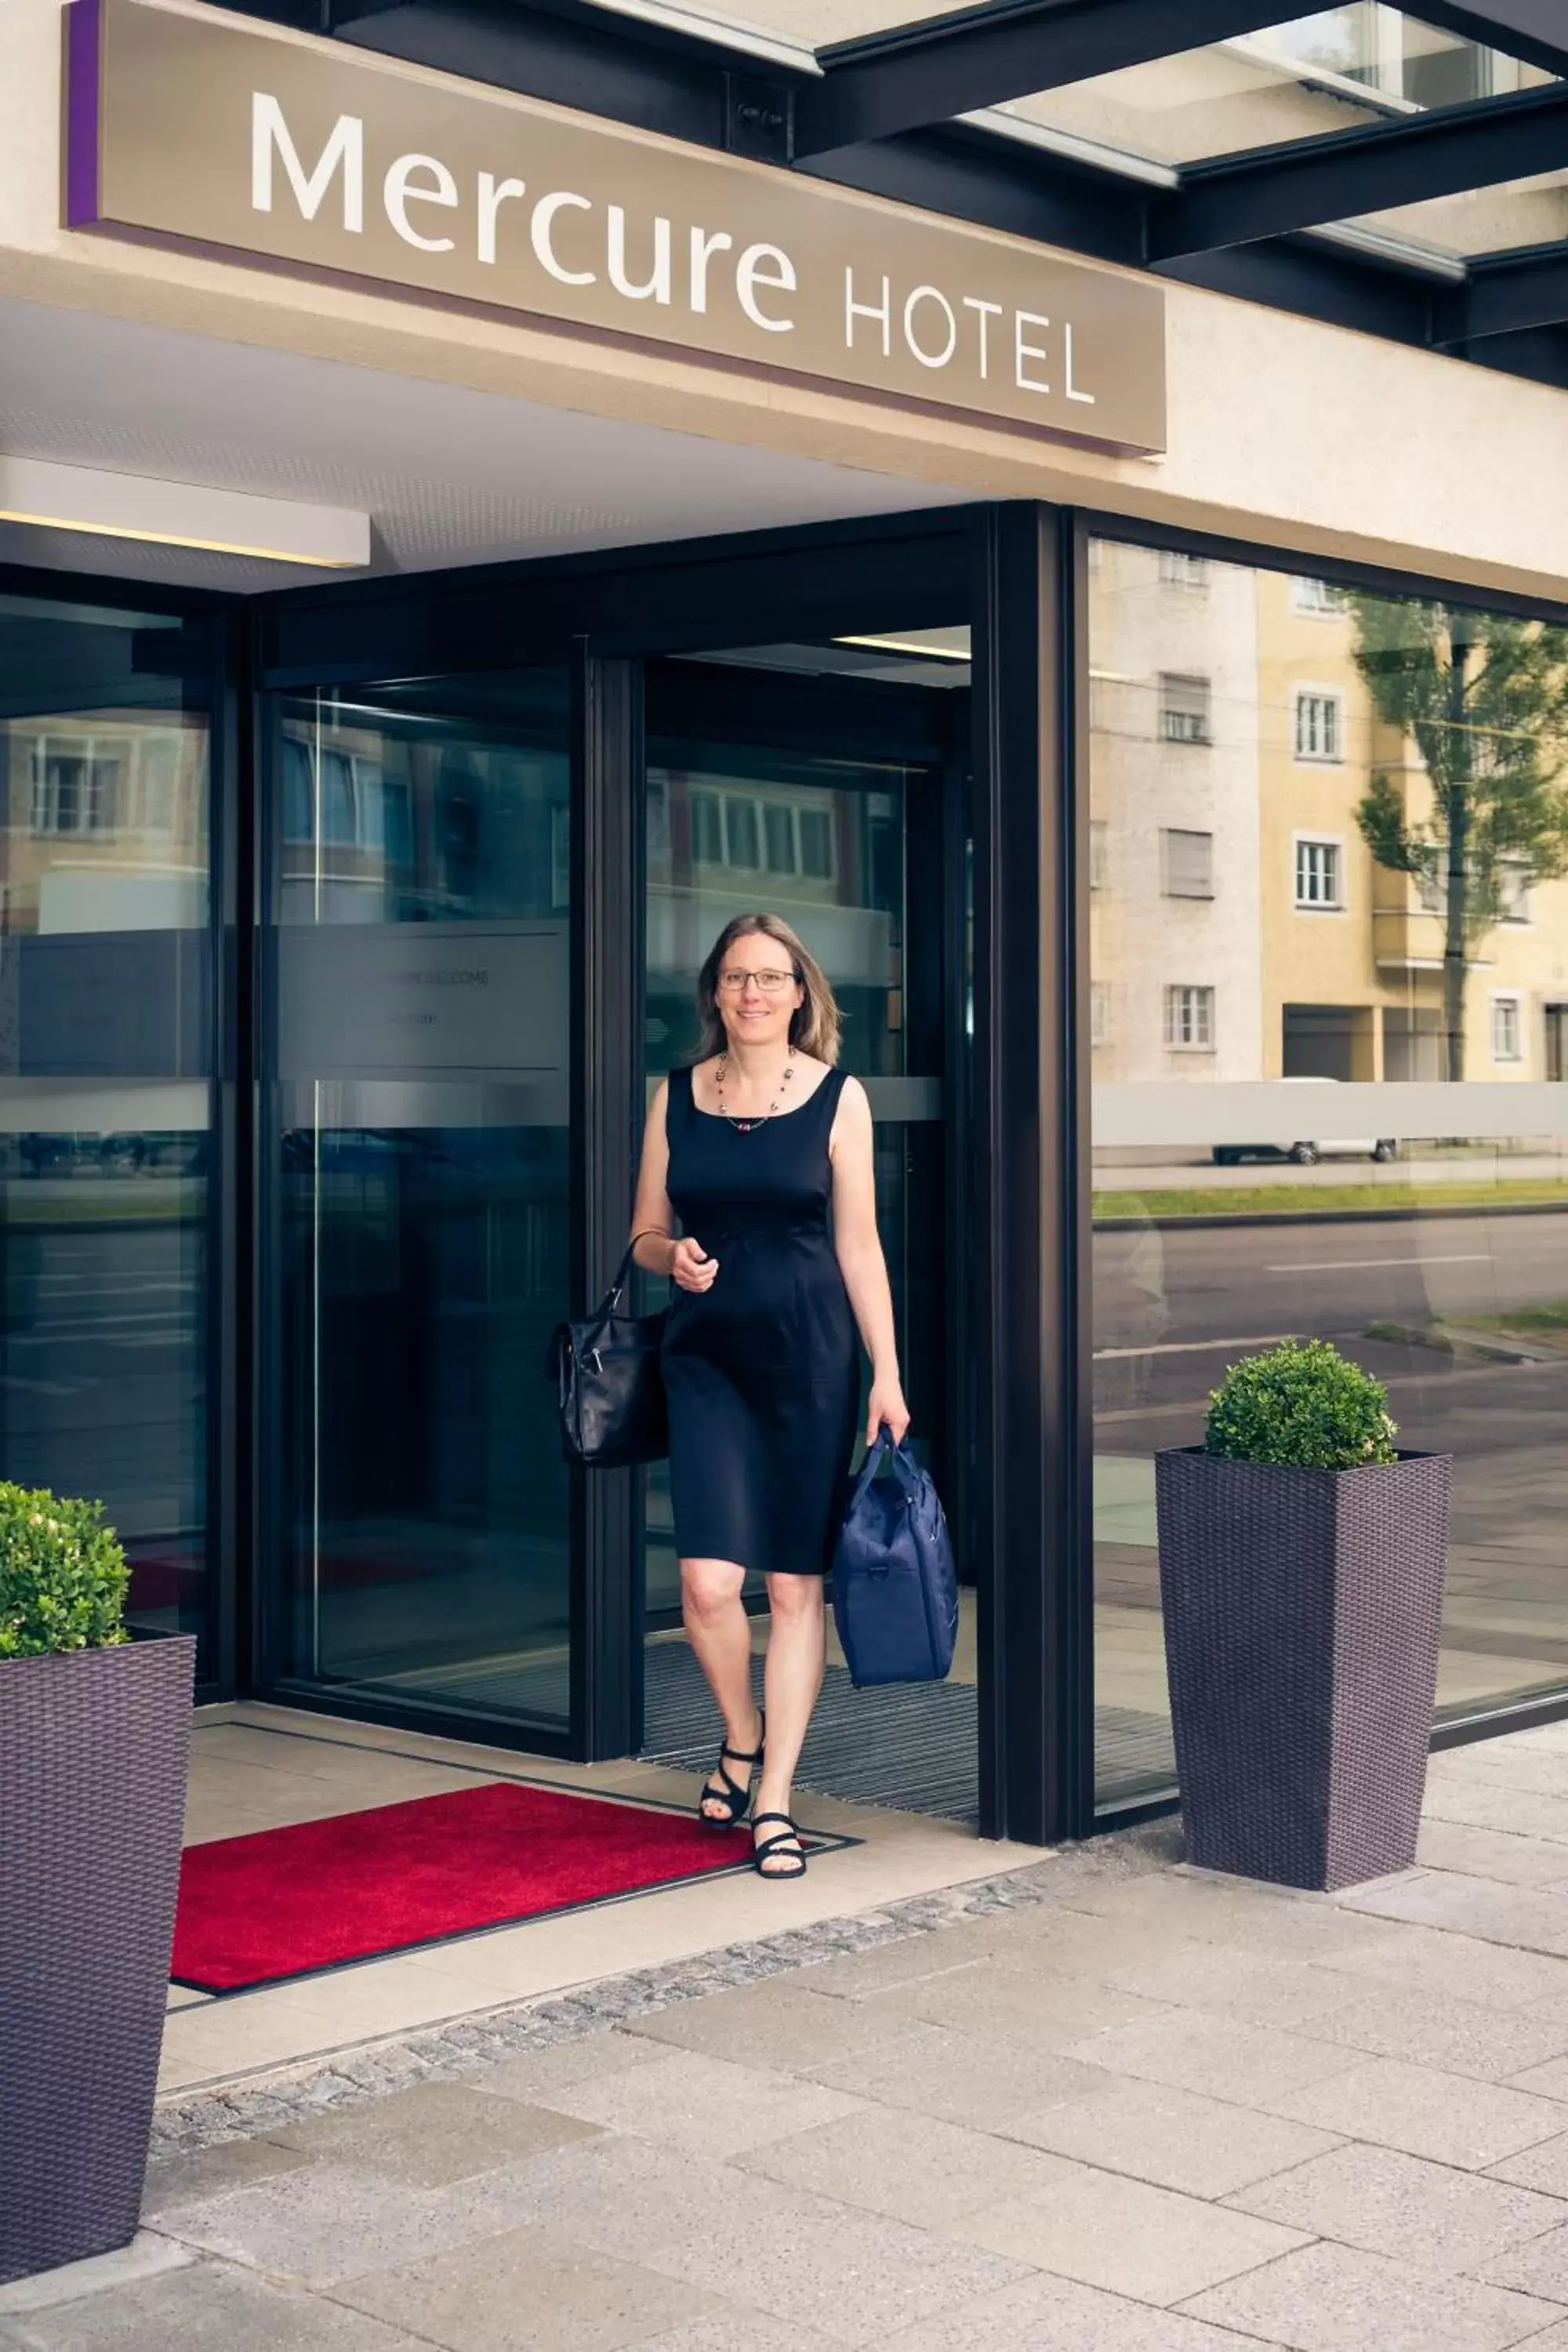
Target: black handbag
x=608, y=1384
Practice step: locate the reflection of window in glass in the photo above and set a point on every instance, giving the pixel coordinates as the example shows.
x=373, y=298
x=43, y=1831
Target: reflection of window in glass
x=1178, y=570
x=299, y=821
x=816, y=828
x=657, y=821
x=707, y=829
x=1332, y=41
x=76, y=784
x=1099, y=854
x=1184, y=709
x=1318, y=865
x=1514, y=891
x=1319, y=599
x=778, y=835
x=560, y=859
x=1099, y=1014
x=152, y=798
x=1508, y=1041
x=1320, y=724
x=340, y=822
x=1187, y=862
x=743, y=835
x=1189, y=1019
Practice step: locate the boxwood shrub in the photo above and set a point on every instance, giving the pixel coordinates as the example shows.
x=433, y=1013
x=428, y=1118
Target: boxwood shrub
x=63, y=1576
x=1302, y=1403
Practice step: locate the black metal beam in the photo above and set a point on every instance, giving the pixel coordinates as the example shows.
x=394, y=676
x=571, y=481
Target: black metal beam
x=1503, y=296
x=1269, y=192
x=1536, y=30
x=579, y=55
x=925, y=72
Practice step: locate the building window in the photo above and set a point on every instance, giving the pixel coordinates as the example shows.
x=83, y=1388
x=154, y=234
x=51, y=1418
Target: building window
x=1184, y=709
x=1319, y=724
x=1099, y=1014
x=1180, y=571
x=1507, y=1036
x=76, y=784
x=1189, y=1019
x=1514, y=891
x=1187, y=863
x=1317, y=598
x=1318, y=874
x=1099, y=852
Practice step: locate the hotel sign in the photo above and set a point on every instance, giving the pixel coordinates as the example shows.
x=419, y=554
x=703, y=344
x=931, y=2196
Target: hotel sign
x=191, y=130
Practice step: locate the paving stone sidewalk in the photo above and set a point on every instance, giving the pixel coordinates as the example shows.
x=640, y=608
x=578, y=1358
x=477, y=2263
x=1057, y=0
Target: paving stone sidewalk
x=1102, y=2104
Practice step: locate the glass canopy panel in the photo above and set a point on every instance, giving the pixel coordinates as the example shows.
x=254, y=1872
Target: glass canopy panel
x=1333, y=70
x=817, y=23
x=1516, y=214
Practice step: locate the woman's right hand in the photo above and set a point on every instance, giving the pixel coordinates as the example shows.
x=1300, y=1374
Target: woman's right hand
x=690, y=1268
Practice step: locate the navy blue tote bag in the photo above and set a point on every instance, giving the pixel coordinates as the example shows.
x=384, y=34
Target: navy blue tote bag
x=895, y=1586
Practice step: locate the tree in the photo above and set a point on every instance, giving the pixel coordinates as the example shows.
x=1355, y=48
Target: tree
x=1484, y=698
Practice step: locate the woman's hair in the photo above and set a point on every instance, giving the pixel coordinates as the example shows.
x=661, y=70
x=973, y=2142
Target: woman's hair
x=816, y=1026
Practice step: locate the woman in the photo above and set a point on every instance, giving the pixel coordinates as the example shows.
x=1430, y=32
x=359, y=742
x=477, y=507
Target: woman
x=748, y=1149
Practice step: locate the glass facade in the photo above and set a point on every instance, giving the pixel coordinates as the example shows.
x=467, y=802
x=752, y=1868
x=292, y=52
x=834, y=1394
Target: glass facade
x=1381, y=788
x=106, y=1068
x=419, y=1190
x=1325, y=1008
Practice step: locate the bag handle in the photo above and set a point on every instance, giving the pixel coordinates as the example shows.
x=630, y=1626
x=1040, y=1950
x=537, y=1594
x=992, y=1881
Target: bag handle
x=617, y=1288
x=905, y=1467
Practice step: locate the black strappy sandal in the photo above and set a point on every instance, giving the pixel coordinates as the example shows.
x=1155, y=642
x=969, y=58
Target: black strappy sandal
x=788, y=1836
x=735, y=1798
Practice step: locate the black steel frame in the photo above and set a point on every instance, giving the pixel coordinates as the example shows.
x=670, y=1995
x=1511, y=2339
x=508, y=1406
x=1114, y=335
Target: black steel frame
x=1020, y=1141
x=883, y=114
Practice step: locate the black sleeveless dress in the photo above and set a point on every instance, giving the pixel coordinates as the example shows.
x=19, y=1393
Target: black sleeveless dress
x=762, y=1370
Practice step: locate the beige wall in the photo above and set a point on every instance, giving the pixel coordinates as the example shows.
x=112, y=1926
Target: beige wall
x=1281, y=429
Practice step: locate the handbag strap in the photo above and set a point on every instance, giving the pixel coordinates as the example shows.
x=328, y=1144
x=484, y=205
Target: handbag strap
x=617, y=1289
x=905, y=1467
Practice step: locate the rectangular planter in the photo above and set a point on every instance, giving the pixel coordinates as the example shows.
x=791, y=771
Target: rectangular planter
x=94, y=1754
x=1301, y=1614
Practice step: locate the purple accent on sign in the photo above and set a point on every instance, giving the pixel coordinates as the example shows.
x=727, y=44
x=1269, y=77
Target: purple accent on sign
x=84, y=50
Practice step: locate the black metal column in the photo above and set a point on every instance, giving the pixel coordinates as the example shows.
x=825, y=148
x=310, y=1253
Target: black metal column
x=1029, y=1139
x=607, y=996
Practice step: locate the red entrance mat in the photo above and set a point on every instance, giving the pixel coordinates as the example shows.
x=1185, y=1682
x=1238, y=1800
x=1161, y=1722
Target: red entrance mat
x=283, y=1903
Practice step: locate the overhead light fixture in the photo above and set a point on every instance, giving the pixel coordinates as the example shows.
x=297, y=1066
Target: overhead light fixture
x=929, y=645
x=181, y=514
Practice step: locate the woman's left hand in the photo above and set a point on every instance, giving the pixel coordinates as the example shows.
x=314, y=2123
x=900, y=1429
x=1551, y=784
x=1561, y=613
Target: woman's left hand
x=886, y=1405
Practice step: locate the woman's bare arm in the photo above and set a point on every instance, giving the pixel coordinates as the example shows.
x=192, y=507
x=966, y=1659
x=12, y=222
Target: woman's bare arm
x=859, y=1247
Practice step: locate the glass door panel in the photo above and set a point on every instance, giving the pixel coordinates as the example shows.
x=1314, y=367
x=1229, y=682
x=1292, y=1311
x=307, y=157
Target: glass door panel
x=421, y=1006
x=106, y=1081
x=813, y=780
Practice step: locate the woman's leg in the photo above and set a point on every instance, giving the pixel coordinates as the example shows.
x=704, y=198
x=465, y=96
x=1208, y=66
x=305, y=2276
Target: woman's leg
x=721, y=1633
x=797, y=1652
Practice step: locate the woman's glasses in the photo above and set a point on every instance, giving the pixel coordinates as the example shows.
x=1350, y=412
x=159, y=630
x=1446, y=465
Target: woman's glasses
x=733, y=983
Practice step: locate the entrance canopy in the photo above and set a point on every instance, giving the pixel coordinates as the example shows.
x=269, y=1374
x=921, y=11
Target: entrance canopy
x=1402, y=173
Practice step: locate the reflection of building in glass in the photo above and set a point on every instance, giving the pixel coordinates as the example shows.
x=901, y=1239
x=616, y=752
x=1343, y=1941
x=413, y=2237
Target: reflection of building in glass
x=1173, y=807
x=105, y=821
x=383, y=824
x=1240, y=926
x=830, y=861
